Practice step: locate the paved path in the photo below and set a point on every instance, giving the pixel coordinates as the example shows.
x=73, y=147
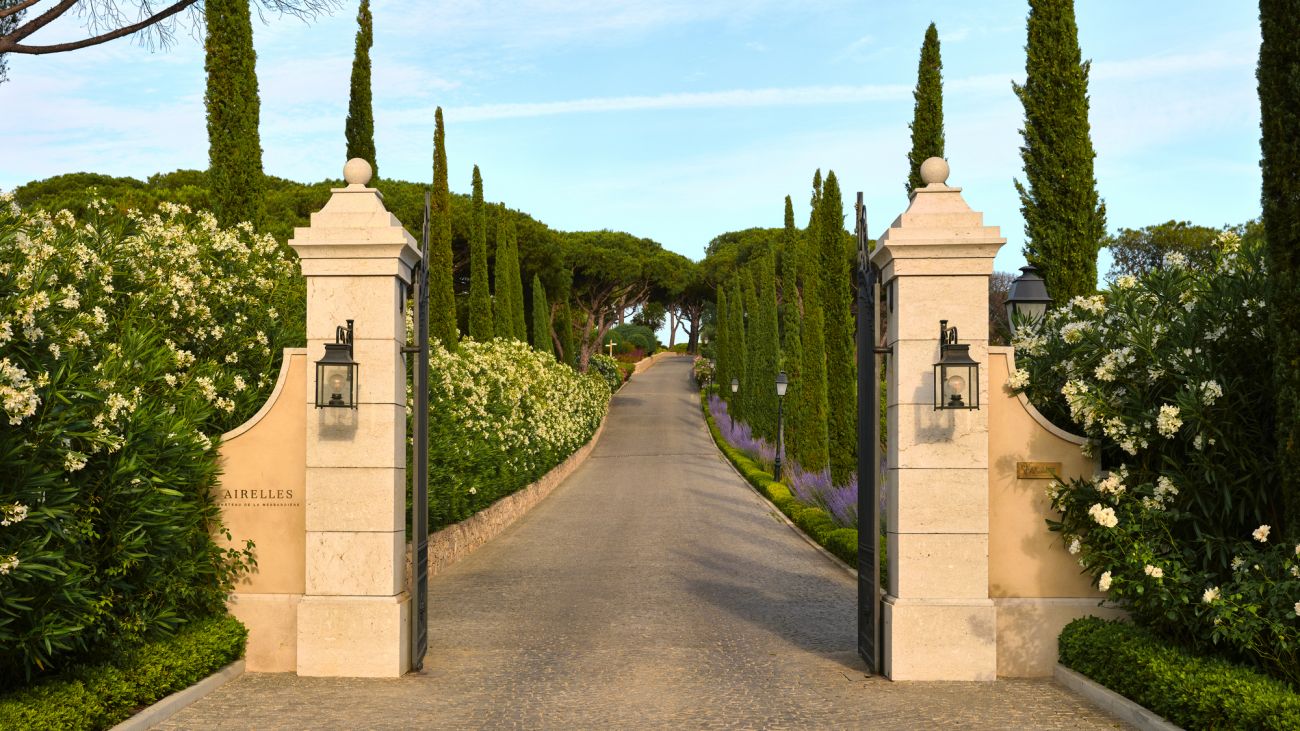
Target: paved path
x=653, y=589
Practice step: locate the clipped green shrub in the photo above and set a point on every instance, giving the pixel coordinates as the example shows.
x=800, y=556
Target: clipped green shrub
x=608, y=369
x=100, y=695
x=128, y=345
x=501, y=415
x=1190, y=690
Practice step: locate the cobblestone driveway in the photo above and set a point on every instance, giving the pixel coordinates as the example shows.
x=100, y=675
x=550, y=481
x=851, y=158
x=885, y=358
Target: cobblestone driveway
x=653, y=589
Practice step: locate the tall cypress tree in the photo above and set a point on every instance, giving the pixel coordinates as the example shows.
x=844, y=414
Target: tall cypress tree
x=480, y=301
x=736, y=338
x=766, y=349
x=1279, y=99
x=1065, y=220
x=442, y=296
x=503, y=305
x=927, y=115
x=234, y=147
x=541, y=319
x=749, y=385
x=517, y=287
x=360, y=126
x=564, y=333
x=791, y=345
x=837, y=306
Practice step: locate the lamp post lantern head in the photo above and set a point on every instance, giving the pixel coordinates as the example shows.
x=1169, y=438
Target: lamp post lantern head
x=782, y=383
x=956, y=375
x=336, y=373
x=735, y=385
x=1027, y=300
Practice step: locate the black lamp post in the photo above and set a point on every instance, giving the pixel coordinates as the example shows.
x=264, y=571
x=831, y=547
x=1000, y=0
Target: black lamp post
x=336, y=373
x=1027, y=300
x=735, y=387
x=782, y=383
x=956, y=376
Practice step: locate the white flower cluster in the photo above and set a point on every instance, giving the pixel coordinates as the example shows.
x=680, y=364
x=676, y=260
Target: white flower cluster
x=1103, y=516
x=17, y=393
x=1154, y=572
x=8, y=564
x=1103, y=581
x=1210, y=392
x=1261, y=534
x=1111, y=484
x=1167, y=421
x=1018, y=379
x=1112, y=363
x=1211, y=595
x=1162, y=495
x=11, y=514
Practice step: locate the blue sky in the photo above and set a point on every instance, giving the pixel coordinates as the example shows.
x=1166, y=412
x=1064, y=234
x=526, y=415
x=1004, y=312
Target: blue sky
x=679, y=120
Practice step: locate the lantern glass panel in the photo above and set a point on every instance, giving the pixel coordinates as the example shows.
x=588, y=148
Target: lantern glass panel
x=335, y=385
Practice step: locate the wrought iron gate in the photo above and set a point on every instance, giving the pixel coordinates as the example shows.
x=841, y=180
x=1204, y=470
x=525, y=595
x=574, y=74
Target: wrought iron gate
x=869, y=638
x=420, y=454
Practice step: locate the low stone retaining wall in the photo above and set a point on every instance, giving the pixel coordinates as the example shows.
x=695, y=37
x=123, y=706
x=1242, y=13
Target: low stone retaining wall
x=646, y=363
x=453, y=543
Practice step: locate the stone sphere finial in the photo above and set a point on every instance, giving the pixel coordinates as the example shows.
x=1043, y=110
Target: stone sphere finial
x=358, y=172
x=934, y=170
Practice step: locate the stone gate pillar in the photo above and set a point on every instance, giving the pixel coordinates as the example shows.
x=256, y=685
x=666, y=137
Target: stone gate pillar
x=354, y=616
x=935, y=261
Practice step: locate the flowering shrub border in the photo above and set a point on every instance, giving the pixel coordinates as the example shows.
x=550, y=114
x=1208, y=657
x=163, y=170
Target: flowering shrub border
x=1193, y=691
x=1162, y=374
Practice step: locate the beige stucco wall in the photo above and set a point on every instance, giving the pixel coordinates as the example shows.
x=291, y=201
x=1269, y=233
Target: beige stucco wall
x=262, y=496
x=1035, y=583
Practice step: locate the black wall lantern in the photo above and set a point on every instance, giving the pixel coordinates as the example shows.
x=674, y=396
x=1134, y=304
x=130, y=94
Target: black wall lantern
x=956, y=376
x=1027, y=300
x=336, y=373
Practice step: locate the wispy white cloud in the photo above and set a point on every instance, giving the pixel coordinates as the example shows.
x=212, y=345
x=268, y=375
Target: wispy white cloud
x=728, y=99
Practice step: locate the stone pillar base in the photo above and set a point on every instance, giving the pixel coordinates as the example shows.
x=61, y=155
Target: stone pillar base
x=272, y=622
x=354, y=636
x=940, y=639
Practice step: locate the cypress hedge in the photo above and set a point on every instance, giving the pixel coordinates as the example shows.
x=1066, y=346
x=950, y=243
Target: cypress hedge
x=233, y=108
x=749, y=385
x=480, y=301
x=766, y=351
x=722, y=343
x=564, y=333
x=360, y=125
x=813, y=454
x=1065, y=220
x=516, y=286
x=927, y=115
x=1279, y=100
x=442, y=295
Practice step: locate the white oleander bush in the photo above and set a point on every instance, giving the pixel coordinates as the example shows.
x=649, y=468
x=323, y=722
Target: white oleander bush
x=1168, y=376
x=128, y=344
x=500, y=416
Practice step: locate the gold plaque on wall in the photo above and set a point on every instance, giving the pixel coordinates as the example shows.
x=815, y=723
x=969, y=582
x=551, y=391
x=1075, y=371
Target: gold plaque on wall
x=1037, y=470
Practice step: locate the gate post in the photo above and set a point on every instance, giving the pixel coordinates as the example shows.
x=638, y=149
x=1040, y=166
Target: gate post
x=935, y=260
x=354, y=618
